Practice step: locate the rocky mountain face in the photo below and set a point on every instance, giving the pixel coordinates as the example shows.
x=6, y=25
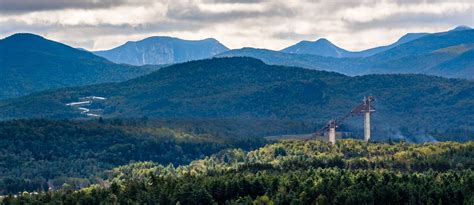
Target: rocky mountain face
x=162, y=50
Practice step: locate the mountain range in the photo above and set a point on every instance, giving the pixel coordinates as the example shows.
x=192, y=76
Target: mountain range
x=162, y=50
x=444, y=54
x=246, y=88
x=323, y=47
x=31, y=63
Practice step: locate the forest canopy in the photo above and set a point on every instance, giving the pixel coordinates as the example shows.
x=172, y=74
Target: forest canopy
x=291, y=172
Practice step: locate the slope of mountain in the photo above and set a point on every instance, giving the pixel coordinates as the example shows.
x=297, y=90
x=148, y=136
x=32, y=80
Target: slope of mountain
x=348, y=66
x=425, y=54
x=162, y=50
x=461, y=65
x=30, y=63
x=321, y=47
x=247, y=88
x=427, y=44
x=461, y=28
x=418, y=55
x=372, y=51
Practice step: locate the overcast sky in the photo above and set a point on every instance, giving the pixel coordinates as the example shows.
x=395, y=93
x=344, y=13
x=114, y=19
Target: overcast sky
x=351, y=24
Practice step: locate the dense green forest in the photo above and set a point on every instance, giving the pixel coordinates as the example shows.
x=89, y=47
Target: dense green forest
x=291, y=172
x=246, y=88
x=40, y=154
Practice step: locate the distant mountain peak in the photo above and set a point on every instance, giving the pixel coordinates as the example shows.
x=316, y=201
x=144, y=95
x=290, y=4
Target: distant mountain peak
x=461, y=28
x=409, y=37
x=25, y=36
x=320, y=47
x=323, y=40
x=29, y=41
x=163, y=50
x=171, y=38
x=39, y=64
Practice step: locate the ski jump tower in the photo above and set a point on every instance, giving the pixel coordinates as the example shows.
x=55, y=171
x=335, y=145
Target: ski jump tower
x=332, y=131
x=368, y=108
x=365, y=109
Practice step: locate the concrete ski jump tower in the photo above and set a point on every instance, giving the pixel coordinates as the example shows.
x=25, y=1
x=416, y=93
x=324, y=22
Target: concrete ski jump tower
x=367, y=109
x=332, y=131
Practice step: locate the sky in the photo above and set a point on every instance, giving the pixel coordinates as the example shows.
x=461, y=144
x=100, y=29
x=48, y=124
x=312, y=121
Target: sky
x=350, y=24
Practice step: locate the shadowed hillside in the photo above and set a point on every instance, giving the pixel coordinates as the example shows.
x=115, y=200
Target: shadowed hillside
x=30, y=63
x=249, y=89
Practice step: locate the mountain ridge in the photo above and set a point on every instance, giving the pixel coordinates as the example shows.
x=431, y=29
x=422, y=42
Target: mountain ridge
x=325, y=48
x=162, y=50
x=247, y=88
x=31, y=63
x=321, y=47
x=419, y=55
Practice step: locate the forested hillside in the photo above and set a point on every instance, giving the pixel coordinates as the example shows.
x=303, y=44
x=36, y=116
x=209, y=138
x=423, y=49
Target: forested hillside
x=293, y=172
x=246, y=88
x=40, y=154
x=31, y=63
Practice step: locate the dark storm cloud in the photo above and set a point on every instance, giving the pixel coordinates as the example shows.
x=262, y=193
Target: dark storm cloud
x=21, y=6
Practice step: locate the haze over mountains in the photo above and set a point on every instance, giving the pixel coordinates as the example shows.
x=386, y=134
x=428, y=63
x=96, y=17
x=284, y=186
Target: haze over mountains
x=162, y=50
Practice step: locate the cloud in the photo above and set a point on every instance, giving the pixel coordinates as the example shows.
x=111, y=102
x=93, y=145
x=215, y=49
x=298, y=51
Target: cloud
x=235, y=1
x=351, y=24
x=225, y=12
x=16, y=6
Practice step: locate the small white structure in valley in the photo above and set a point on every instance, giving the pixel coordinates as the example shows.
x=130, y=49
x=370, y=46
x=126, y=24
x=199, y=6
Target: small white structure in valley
x=84, y=105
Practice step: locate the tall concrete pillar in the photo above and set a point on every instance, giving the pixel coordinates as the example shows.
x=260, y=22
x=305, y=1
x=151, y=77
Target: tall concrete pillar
x=332, y=135
x=332, y=132
x=367, y=126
